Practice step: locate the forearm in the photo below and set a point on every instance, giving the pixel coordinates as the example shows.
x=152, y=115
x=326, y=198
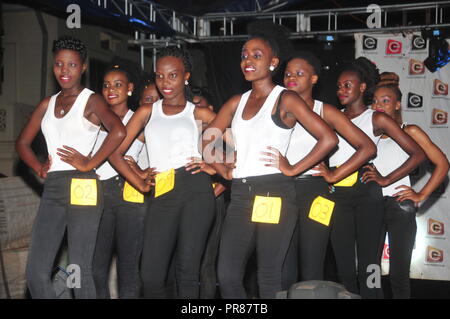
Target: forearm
x=27, y=155
x=438, y=176
x=111, y=143
x=320, y=150
x=408, y=166
x=358, y=159
x=124, y=169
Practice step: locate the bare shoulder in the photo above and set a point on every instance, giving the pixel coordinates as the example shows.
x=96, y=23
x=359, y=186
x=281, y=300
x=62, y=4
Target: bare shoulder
x=413, y=129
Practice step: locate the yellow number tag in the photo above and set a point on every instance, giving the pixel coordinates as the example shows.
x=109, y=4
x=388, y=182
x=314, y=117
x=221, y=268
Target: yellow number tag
x=131, y=194
x=165, y=182
x=266, y=210
x=83, y=192
x=321, y=210
x=349, y=181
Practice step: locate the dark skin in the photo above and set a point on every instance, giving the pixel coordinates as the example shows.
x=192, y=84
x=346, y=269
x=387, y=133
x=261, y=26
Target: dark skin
x=68, y=68
x=386, y=101
x=116, y=86
x=257, y=57
x=170, y=77
x=300, y=77
x=350, y=91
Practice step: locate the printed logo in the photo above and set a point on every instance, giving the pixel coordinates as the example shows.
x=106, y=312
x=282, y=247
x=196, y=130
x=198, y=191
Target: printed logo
x=414, y=100
x=435, y=227
x=440, y=88
x=386, y=251
x=418, y=43
x=369, y=43
x=439, y=117
x=416, y=67
x=434, y=255
x=393, y=47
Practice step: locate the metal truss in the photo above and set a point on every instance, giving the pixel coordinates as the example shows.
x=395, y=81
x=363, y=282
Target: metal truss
x=231, y=26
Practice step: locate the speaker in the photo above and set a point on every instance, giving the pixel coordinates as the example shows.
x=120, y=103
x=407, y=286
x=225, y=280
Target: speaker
x=316, y=289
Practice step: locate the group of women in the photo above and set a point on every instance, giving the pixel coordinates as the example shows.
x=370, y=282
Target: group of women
x=305, y=173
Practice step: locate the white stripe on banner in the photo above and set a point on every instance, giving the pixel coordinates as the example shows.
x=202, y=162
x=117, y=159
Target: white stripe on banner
x=425, y=102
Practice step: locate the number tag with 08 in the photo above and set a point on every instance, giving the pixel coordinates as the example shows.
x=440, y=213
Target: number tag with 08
x=131, y=194
x=164, y=182
x=83, y=192
x=266, y=210
x=321, y=210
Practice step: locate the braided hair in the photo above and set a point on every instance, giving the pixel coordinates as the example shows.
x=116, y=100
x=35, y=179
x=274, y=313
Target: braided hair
x=70, y=43
x=176, y=52
x=367, y=73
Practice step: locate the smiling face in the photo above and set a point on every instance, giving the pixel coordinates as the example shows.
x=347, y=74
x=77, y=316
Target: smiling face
x=299, y=76
x=116, y=86
x=256, y=58
x=349, y=88
x=68, y=68
x=385, y=100
x=170, y=76
x=150, y=94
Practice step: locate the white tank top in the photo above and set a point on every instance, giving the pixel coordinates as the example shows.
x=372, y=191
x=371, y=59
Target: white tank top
x=106, y=171
x=251, y=137
x=172, y=139
x=73, y=130
x=389, y=157
x=301, y=141
x=345, y=150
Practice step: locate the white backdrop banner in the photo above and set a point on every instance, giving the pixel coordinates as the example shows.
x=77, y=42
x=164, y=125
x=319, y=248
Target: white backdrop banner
x=425, y=102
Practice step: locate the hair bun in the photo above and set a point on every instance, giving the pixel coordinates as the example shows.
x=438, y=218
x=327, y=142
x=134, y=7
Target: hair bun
x=389, y=78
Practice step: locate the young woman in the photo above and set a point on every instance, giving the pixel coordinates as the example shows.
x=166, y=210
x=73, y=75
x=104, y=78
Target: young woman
x=122, y=224
x=72, y=198
x=301, y=74
x=181, y=213
x=399, y=198
x=149, y=92
x=358, y=210
x=261, y=120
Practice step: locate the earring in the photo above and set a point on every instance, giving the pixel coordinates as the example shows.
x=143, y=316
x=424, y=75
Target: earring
x=129, y=93
x=186, y=82
x=271, y=68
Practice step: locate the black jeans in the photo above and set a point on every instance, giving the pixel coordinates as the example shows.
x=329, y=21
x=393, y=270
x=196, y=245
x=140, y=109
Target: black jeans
x=240, y=236
x=178, y=222
x=401, y=228
x=357, y=220
x=208, y=273
x=55, y=214
x=309, y=246
x=121, y=231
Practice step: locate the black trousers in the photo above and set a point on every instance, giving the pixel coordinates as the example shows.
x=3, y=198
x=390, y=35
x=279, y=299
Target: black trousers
x=401, y=228
x=357, y=224
x=241, y=236
x=54, y=216
x=121, y=231
x=177, y=222
x=306, y=256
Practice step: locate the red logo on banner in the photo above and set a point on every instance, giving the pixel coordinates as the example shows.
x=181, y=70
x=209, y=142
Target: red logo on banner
x=386, y=251
x=435, y=227
x=416, y=67
x=439, y=117
x=440, y=88
x=434, y=255
x=393, y=47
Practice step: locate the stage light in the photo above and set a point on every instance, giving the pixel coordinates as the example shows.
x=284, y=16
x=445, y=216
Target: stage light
x=438, y=54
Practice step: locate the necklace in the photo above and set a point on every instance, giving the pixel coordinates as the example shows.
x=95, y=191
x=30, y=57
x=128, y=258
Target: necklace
x=62, y=112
